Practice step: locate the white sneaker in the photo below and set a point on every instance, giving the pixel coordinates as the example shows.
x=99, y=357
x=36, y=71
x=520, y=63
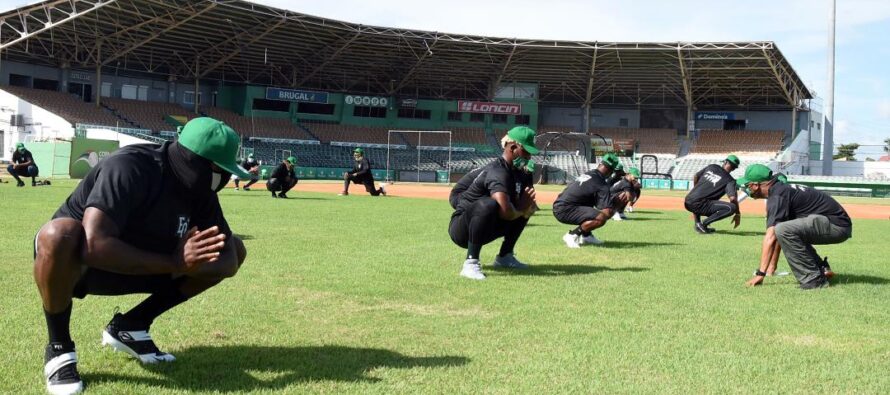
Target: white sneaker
x=630, y=209
x=509, y=262
x=472, y=270
x=591, y=240
x=617, y=217
x=383, y=188
x=572, y=241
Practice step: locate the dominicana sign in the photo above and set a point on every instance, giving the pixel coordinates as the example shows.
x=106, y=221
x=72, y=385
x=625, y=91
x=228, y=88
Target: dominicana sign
x=296, y=95
x=489, y=108
x=714, y=116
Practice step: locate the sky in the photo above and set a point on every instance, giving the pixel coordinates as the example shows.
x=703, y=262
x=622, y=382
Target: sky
x=798, y=27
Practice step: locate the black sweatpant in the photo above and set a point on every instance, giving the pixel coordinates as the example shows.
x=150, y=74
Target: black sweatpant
x=480, y=225
x=277, y=185
x=367, y=180
x=714, y=210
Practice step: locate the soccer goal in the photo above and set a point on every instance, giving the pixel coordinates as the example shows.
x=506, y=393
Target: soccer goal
x=427, y=162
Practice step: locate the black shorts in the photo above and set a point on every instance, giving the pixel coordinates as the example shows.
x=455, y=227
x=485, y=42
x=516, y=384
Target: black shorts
x=574, y=215
x=100, y=282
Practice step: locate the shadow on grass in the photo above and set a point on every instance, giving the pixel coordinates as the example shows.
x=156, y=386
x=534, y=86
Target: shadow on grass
x=252, y=368
x=243, y=237
x=564, y=270
x=632, y=244
x=740, y=232
x=634, y=218
x=647, y=212
x=841, y=278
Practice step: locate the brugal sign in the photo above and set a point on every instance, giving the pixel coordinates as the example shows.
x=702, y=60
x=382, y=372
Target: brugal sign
x=714, y=116
x=296, y=95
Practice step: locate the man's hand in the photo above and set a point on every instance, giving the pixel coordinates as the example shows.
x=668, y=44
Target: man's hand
x=527, y=199
x=755, y=281
x=736, y=221
x=199, y=248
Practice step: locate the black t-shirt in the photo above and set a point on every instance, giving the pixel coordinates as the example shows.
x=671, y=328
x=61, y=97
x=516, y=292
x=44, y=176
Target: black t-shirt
x=590, y=189
x=250, y=164
x=462, y=185
x=713, y=183
x=22, y=157
x=791, y=201
x=497, y=176
x=281, y=172
x=361, y=167
x=136, y=189
x=624, y=185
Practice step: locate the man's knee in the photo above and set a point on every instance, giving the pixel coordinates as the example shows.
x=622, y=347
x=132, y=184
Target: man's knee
x=784, y=231
x=10, y=169
x=32, y=171
x=61, y=235
x=240, y=250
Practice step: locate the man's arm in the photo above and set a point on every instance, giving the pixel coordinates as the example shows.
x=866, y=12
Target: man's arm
x=104, y=250
x=766, y=254
x=506, y=210
x=366, y=166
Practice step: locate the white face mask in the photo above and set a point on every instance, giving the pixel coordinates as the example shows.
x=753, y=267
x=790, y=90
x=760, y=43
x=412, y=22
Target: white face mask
x=217, y=182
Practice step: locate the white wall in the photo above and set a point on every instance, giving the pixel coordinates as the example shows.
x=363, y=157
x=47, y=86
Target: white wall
x=853, y=169
x=124, y=139
x=40, y=124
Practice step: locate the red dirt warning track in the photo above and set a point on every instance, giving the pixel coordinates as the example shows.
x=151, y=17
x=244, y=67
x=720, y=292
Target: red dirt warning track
x=863, y=211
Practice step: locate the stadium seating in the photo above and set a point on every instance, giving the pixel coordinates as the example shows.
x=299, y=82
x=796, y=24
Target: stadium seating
x=691, y=164
x=763, y=142
x=259, y=126
x=67, y=106
x=146, y=114
x=649, y=141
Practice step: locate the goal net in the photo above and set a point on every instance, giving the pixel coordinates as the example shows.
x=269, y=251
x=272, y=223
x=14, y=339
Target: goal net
x=418, y=155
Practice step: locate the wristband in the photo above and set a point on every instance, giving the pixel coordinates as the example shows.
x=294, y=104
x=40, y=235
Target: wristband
x=759, y=273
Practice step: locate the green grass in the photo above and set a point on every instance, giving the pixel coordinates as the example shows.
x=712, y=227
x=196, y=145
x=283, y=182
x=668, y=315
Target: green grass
x=361, y=295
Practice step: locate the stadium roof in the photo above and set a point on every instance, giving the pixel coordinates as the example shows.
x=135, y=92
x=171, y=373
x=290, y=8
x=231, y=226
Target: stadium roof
x=243, y=42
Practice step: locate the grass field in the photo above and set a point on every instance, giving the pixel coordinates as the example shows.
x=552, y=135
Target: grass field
x=361, y=295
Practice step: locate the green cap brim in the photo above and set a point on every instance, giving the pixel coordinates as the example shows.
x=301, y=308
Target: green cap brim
x=233, y=168
x=529, y=148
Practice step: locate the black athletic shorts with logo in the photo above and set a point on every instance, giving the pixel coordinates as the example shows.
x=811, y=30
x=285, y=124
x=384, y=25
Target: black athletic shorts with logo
x=573, y=215
x=100, y=282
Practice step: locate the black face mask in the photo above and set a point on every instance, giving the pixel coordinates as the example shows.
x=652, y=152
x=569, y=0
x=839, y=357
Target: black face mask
x=193, y=172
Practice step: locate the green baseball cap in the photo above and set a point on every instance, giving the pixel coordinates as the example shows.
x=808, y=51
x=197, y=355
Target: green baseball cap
x=250, y=156
x=782, y=178
x=734, y=160
x=292, y=160
x=619, y=167
x=19, y=147
x=525, y=136
x=610, y=161
x=359, y=151
x=634, y=172
x=755, y=173
x=214, y=141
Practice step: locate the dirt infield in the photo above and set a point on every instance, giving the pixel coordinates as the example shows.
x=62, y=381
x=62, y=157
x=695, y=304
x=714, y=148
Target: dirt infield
x=864, y=211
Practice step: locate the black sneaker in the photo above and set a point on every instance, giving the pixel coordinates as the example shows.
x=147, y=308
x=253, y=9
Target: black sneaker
x=701, y=228
x=246, y=189
x=20, y=184
x=282, y=195
x=133, y=338
x=274, y=195
x=60, y=369
x=826, y=268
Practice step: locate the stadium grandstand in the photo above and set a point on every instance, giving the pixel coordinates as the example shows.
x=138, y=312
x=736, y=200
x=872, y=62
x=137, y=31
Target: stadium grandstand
x=297, y=84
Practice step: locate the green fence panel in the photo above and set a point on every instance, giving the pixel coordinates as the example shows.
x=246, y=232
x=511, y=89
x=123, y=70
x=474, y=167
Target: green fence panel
x=52, y=159
x=86, y=154
x=442, y=176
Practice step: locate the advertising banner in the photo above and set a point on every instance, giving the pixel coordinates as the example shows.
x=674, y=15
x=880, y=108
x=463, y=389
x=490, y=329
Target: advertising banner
x=714, y=116
x=86, y=154
x=489, y=108
x=296, y=95
x=366, y=101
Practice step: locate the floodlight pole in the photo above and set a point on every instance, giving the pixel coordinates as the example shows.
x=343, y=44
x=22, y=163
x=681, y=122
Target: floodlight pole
x=828, y=124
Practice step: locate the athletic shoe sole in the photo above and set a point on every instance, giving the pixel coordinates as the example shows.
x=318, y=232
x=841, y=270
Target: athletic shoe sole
x=116, y=345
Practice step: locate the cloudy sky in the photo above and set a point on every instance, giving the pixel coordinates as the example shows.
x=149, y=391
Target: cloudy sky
x=799, y=27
